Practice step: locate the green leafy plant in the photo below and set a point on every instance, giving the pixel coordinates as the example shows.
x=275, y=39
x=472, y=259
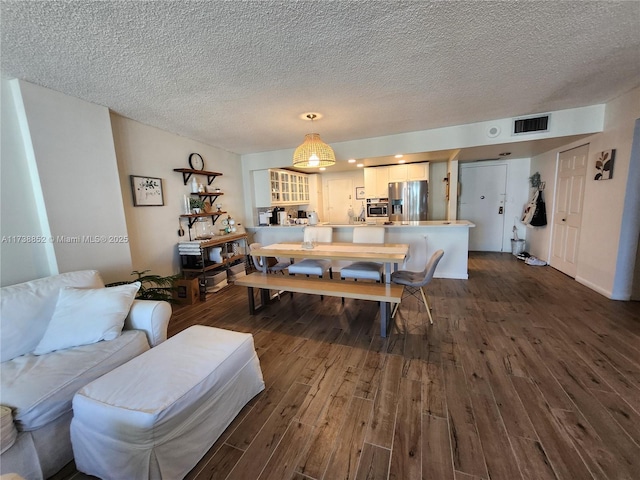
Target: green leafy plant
x=152, y=287
x=196, y=203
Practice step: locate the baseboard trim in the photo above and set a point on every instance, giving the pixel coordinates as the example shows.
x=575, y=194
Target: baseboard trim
x=602, y=291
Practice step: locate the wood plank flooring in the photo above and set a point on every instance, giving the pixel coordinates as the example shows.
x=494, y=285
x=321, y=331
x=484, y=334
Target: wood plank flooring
x=525, y=374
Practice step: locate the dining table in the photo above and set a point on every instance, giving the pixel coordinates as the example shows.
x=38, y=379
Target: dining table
x=389, y=254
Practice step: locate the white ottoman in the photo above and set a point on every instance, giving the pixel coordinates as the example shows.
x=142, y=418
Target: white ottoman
x=158, y=414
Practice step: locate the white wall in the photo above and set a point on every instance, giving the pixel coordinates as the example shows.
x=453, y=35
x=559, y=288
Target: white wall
x=61, y=178
x=437, y=191
x=604, y=206
x=607, y=243
x=23, y=256
x=148, y=151
x=72, y=150
x=631, y=203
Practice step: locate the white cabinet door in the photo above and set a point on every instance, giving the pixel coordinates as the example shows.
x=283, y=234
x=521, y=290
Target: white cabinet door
x=376, y=182
x=295, y=198
x=285, y=187
x=304, y=185
x=382, y=182
x=417, y=171
x=398, y=173
x=370, y=182
x=274, y=182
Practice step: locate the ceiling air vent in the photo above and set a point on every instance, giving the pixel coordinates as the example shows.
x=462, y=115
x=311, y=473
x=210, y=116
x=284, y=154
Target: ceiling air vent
x=531, y=124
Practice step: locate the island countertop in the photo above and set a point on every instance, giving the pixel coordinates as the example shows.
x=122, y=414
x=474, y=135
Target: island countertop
x=427, y=223
x=423, y=237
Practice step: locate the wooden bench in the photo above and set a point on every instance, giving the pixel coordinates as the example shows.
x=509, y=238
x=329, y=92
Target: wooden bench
x=379, y=292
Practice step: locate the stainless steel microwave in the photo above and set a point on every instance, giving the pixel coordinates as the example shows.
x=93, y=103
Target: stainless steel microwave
x=377, y=207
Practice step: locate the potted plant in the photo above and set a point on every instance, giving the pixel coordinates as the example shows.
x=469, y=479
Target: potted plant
x=196, y=204
x=152, y=287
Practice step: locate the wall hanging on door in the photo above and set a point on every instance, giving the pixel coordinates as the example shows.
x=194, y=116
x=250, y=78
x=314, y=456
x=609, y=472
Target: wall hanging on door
x=604, y=165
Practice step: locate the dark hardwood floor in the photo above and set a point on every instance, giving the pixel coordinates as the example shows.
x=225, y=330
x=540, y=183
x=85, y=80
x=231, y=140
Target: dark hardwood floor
x=525, y=374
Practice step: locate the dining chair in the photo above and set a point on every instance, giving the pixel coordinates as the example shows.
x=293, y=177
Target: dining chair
x=312, y=266
x=415, y=281
x=365, y=270
x=273, y=265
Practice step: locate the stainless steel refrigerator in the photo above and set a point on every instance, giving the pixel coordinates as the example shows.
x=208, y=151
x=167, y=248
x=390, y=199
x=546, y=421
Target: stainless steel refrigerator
x=408, y=201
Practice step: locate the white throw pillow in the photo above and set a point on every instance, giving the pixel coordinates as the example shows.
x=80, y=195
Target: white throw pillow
x=84, y=316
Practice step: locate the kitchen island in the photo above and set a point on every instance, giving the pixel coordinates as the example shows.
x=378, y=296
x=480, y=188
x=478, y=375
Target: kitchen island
x=424, y=238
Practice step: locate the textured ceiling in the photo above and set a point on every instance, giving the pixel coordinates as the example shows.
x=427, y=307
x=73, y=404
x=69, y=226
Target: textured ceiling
x=237, y=75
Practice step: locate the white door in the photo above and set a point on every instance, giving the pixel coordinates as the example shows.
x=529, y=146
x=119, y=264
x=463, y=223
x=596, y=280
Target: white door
x=567, y=212
x=339, y=200
x=482, y=199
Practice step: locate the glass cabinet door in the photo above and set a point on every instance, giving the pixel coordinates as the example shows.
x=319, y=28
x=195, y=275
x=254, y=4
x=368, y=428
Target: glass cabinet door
x=294, y=187
x=285, y=187
x=304, y=186
x=275, y=186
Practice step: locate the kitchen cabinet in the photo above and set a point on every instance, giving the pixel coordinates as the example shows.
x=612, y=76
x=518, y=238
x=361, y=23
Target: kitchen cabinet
x=376, y=182
x=280, y=187
x=417, y=171
x=409, y=172
x=398, y=173
x=377, y=179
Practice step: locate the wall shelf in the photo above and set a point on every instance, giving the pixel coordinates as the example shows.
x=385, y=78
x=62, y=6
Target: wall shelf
x=187, y=172
x=192, y=217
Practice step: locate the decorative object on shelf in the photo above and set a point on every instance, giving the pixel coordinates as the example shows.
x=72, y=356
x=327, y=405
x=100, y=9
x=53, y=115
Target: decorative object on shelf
x=360, y=193
x=219, y=207
x=604, y=165
x=146, y=191
x=229, y=224
x=201, y=188
x=194, y=185
x=313, y=152
x=197, y=205
x=196, y=162
x=203, y=229
x=186, y=205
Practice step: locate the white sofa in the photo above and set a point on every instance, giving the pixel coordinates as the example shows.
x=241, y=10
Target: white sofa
x=38, y=387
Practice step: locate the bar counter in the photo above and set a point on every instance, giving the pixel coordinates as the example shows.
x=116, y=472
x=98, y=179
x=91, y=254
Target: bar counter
x=423, y=238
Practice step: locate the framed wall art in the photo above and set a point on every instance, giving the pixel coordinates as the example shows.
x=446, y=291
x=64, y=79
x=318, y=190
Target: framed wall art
x=147, y=191
x=604, y=164
x=359, y=193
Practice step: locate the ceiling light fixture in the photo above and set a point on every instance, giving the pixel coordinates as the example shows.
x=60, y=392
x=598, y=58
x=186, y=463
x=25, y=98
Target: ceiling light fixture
x=399, y=155
x=360, y=165
x=313, y=152
x=352, y=160
x=401, y=161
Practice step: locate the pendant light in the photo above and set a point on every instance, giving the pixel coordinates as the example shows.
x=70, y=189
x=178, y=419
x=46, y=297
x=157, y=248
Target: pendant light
x=313, y=152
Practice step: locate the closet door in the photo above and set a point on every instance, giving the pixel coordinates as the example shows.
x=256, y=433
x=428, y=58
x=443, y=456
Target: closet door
x=567, y=215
